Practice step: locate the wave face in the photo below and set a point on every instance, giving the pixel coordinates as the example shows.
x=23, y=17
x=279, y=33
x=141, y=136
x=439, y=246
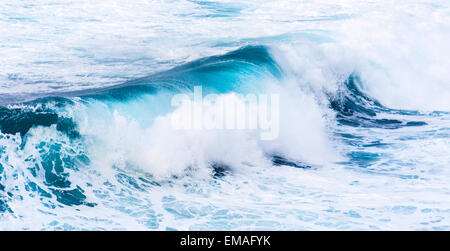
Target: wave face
x=87, y=140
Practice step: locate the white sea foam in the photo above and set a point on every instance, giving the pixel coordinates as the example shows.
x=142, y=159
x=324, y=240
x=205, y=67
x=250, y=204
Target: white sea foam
x=118, y=137
x=398, y=179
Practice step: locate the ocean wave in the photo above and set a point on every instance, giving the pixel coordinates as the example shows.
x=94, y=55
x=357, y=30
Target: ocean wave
x=87, y=134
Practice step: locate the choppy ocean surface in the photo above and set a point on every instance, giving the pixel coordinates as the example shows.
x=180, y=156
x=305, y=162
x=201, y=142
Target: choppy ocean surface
x=86, y=141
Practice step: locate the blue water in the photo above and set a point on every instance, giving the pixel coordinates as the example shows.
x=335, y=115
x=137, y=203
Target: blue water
x=86, y=140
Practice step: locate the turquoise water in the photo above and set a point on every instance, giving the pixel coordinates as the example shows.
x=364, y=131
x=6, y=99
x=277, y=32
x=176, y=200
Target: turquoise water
x=86, y=140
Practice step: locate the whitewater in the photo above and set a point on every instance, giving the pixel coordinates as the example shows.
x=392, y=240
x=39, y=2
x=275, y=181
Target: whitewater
x=87, y=141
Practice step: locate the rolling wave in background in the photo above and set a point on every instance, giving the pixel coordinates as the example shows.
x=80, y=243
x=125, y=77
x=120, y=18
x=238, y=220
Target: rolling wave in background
x=86, y=140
